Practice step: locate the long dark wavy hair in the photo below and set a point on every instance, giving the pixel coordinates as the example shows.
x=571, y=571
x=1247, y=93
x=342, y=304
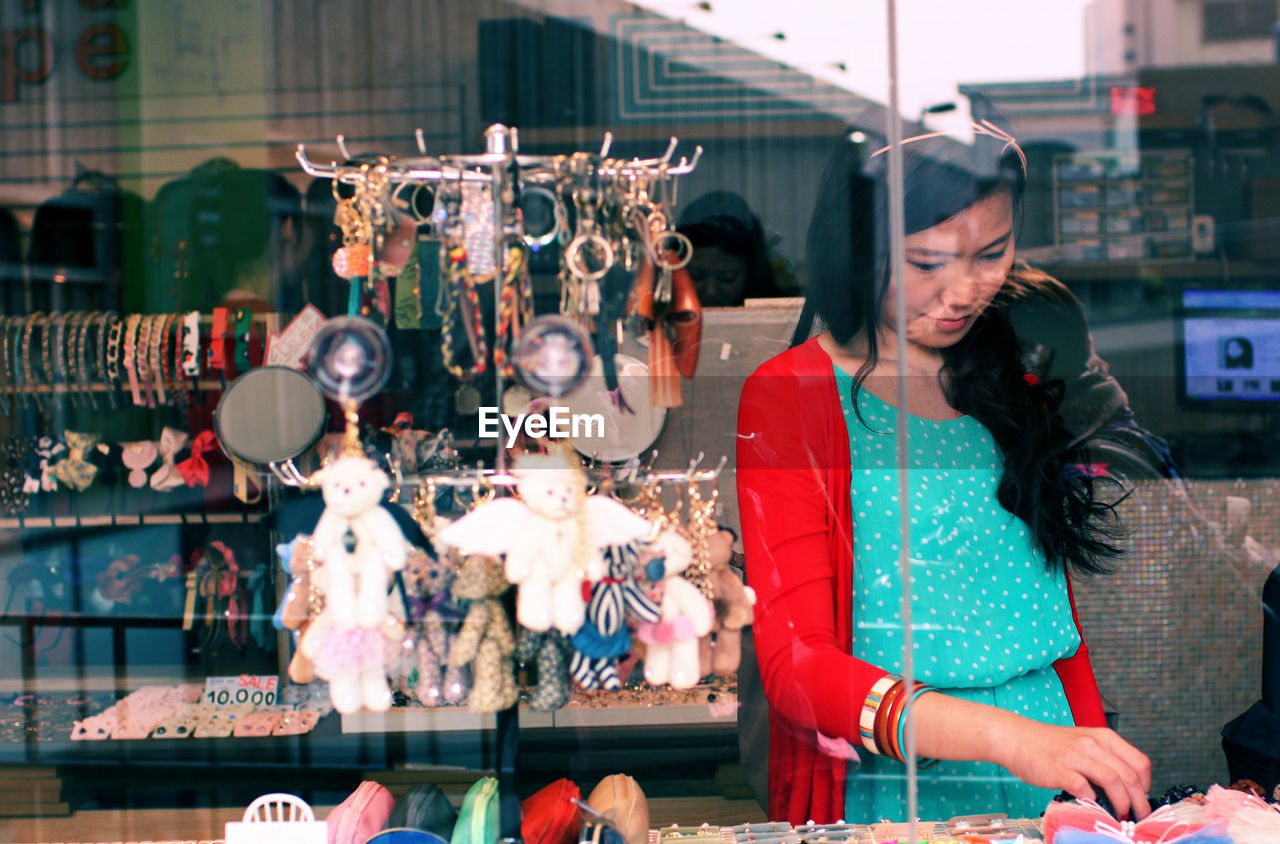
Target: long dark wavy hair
x=982, y=374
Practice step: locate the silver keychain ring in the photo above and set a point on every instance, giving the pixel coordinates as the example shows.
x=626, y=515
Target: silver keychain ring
x=683, y=250
x=573, y=256
x=558, y=225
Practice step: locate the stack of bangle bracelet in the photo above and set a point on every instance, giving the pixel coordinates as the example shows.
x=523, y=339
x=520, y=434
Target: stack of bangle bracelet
x=882, y=722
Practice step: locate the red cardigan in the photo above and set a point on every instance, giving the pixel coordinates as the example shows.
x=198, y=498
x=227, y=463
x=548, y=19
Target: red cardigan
x=793, y=499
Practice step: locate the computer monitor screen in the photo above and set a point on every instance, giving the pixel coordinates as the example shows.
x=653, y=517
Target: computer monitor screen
x=1229, y=349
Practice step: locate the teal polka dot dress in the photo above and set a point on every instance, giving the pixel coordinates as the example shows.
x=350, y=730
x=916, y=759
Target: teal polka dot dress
x=988, y=619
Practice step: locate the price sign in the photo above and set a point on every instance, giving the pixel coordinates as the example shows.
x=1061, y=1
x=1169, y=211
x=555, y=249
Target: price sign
x=259, y=690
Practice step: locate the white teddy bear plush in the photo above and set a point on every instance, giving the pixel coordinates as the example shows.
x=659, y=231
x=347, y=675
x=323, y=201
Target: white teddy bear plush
x=552, y=535
x=672, y=643
x=358, y=546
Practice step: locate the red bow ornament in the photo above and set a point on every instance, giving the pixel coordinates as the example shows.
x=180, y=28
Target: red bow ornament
x=195, y=469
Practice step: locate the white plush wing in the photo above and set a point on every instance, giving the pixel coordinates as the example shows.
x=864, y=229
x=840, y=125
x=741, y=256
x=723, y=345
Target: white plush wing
x=609, y=522
x=491, y=528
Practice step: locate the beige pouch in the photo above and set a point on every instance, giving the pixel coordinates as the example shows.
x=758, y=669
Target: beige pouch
x=618, y=797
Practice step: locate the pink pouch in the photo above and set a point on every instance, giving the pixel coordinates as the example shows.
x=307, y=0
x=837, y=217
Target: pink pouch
x=365, y=812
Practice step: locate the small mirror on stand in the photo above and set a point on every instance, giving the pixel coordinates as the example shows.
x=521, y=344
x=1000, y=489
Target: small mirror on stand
x=268, y=417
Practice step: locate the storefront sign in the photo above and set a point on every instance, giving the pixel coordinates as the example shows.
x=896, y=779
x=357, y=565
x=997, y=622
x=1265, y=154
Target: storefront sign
x=260, y=690
x=29, y=54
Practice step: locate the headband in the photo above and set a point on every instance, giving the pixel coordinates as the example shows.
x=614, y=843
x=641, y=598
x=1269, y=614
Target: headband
x=980, y=127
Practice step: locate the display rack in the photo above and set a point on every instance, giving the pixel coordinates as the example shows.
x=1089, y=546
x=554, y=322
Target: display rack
x=587, y=181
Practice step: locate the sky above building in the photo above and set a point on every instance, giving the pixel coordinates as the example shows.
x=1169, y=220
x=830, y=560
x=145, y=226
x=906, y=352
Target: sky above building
x=941, y=43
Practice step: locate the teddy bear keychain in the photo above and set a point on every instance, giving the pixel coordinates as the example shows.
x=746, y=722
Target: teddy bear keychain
x=685, y=615
x=356, y=546
x=606, y=636
x=552, y=535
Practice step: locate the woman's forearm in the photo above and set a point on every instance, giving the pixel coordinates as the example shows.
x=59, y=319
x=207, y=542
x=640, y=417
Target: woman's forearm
x=1079, y=760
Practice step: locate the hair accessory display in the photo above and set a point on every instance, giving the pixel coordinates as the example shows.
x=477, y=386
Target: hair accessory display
x=167, y=478
x=15, y=452
x=243, y=334
x=195, y=469
x=191, y=344
x=40, y=477
x=107, y=457
x=138, y=457
x=74, y=470
x=218, y=337
x=28, y=355
x=143, y=359
x=130, y=360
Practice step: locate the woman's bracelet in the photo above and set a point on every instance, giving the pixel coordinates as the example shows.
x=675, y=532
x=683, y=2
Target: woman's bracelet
x=867, y=719
x=882, y=722
x=909, y=700
x=885, y=725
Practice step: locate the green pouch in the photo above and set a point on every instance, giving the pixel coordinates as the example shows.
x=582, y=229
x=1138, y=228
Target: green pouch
x=478, y=821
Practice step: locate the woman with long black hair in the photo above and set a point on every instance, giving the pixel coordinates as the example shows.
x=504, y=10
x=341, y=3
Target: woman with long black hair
x=1008, y=711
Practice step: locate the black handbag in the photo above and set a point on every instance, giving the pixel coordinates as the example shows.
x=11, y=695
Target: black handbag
x=427, y=808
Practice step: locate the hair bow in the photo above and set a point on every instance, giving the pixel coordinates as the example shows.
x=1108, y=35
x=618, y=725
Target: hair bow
x=107, y=457
x=167, y=477
x=73, y=470
x=137, y=456
x=39, y=475
x=1085, y=822
x=195, y=469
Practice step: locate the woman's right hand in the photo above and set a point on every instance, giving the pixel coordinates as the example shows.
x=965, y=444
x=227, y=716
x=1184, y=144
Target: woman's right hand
x=1072, y=759
x=1076, y=759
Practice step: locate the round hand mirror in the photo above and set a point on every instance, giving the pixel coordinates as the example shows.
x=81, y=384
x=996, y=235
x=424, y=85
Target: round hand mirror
x=269, y=415
x=631, y=423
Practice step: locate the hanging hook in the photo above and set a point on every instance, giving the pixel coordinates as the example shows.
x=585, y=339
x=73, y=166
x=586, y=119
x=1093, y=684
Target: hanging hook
x=608, y=142
x=671, y=149
x=687, y=167
x=693, y=464
x=342, y=148
x=421, y=138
